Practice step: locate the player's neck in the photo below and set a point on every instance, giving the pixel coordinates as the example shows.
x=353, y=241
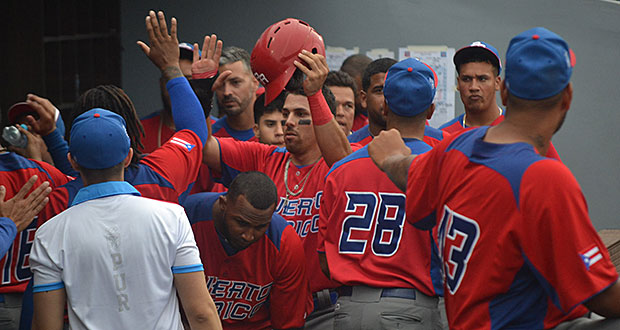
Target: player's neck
x=243, y=121
x=308, y=157
x=375, y=128
x=482, y=118
x=408, y=130
x=523, y=127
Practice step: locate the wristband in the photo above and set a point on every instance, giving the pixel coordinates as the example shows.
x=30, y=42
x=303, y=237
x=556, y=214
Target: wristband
x=321, y=114
x=204, y=75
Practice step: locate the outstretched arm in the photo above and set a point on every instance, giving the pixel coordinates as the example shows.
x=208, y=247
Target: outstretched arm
x=391, y=155
x=330, y=138
x=196, y=300
x=164, y=53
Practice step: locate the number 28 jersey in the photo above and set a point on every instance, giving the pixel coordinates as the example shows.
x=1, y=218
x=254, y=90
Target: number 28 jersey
x=363, y=233
x=517, y=245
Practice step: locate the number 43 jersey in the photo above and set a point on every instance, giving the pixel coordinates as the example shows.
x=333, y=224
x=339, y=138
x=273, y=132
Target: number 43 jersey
x=363, y=232
x=517, y=245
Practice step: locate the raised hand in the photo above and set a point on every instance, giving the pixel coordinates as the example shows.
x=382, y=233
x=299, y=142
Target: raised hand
x=206, y=66
x=22, y=210
x=315, y=69
x=164, y=47
x=46, y=123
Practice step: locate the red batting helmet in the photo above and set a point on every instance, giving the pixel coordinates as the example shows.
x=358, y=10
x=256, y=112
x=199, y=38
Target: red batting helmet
x=276, y=49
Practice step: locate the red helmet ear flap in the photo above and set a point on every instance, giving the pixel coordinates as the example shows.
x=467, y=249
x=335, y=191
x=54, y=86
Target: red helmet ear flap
x=277, y=48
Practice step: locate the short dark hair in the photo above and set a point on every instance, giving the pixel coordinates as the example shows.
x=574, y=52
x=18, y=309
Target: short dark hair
x=514, y=102
x=377, y=66
x=258, y=189
x=477, y=56
x=340, y=79
x=260, y=109
x=355, y=64
x=234, y=54
x=327, y=94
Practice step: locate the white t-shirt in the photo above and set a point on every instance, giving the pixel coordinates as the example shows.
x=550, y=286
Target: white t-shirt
x=116, y=256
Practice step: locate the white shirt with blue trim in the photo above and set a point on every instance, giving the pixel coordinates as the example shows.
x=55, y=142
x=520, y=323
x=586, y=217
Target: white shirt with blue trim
x=115, y=253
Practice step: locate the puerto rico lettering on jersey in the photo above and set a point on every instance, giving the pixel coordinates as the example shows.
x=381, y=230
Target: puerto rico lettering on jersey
x=288, y=208
x=252, y=296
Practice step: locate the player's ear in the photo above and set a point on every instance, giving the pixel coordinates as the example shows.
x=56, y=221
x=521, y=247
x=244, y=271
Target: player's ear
x=498, y=82
x=503, y=91
x=256, y=131
x=222, y=199
x=73, y=163
x=430, y=111
x=363, y=99
x=127, y=159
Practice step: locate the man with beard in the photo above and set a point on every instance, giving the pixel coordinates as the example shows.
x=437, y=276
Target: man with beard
x=517, y=245
x=254, y=261
x=290, y=53
x=236, y=96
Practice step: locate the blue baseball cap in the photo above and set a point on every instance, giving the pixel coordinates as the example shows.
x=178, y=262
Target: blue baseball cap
x=99, y=139
x=478, y=48
x=410, y=87
x=539, y=64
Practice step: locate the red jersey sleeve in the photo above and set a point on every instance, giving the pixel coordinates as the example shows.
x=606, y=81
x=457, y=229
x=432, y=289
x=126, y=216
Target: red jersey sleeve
x=178, y=160
x=240, y=156
x=558, y=239
x=422, y=189
x=290, y=299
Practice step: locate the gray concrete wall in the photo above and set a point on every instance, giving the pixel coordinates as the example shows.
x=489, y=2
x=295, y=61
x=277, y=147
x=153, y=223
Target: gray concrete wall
x=589, y=141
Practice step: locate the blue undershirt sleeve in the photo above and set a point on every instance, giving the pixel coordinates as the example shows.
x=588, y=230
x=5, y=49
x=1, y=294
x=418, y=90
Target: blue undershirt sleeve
x=8, y=230
x=186, y=109
x=58, y=149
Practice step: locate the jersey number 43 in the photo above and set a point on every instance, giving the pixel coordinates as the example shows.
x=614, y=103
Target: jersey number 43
x=383, y=214
x=458, y=236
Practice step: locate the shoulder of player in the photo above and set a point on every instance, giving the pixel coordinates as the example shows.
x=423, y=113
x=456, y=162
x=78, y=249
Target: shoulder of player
x=199, y=207
x=548, y=173
x=447, y=127
x=281, y=234
x=358, y=155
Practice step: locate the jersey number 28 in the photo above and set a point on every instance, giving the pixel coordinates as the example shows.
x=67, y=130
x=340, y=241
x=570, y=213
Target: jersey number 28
x=387, y=209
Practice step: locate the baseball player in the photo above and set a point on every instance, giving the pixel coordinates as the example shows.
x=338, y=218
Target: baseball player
x=372, y=100
x=385, y=266
x=284, y=53
x=135, y=268
x=15, y=171
x=269, y=122
x=254, y=261
x=517, y=247
x=478, y=66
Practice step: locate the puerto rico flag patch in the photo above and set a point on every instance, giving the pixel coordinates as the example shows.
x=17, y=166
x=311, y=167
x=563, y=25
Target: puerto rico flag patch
x=591, y=256
x=182, y=143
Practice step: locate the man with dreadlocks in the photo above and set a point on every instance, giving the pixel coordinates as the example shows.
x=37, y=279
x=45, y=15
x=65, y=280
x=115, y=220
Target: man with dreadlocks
x=168, y=172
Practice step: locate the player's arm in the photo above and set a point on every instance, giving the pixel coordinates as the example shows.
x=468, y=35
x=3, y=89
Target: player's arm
x=606, y=303
x=49, y=308
x=164, y=53
x=196, y=300
x=391, y=155
x=330, y=138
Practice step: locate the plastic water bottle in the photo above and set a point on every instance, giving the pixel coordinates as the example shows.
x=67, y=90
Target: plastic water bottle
x=13, y=136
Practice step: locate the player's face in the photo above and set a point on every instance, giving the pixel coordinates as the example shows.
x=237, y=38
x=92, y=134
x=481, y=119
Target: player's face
x=372, y=99
x=270, y=128
x=345, y=98
x=297, y=138
x=237, y=93
x=244, y=224
x=358, y=84
x=477, y=85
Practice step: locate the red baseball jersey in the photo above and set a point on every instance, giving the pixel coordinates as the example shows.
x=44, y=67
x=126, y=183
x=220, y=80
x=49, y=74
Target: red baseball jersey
x=154, y=128
x=517, y=245
x=302, y=210
x=457, y=125
x=363, y=233
x=166, y=174
x=221, y=129
x=359, y=121
x=15, y=170
x=262, y=287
